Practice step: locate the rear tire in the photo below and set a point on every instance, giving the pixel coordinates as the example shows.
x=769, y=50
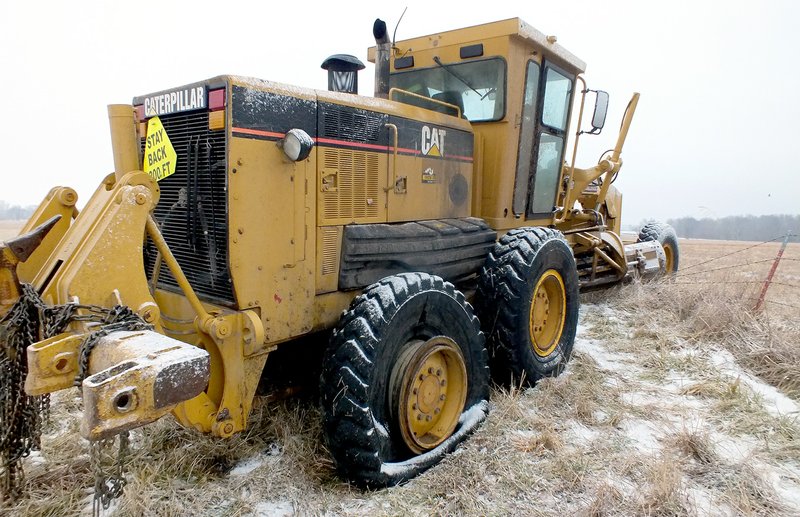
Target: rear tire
x=664, y=234
x=528, y=304
x=404, y=380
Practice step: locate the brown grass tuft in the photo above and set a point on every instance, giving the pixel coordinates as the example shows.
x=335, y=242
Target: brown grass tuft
x=664, y=493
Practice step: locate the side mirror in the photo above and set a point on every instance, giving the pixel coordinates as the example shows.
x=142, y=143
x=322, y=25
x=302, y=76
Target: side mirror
x=600, y=111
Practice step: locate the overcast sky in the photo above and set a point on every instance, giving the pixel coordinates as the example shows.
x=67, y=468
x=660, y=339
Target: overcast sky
x=715, y=133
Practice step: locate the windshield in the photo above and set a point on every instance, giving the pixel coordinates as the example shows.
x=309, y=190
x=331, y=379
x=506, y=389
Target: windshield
x=477, y=88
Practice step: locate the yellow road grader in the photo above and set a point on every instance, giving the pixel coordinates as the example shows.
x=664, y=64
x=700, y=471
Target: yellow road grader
x=245, y=214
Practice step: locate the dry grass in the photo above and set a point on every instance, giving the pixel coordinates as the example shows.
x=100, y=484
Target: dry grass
x=652, y=417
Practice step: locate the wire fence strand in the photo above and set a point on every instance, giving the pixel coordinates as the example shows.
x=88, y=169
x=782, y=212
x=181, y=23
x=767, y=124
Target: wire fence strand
x=681, y=274
x=784, y=284
x=783, y=304
x=726, y=282
x=735, y=252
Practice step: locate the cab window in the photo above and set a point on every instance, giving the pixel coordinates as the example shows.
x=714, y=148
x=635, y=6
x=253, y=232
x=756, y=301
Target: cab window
x=557, y=93
x=477, y=88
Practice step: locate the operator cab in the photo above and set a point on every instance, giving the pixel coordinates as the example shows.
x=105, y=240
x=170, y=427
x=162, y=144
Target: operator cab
x=516, y=86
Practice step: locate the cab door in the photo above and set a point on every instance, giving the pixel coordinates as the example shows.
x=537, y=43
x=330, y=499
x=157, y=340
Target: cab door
x=543, y=131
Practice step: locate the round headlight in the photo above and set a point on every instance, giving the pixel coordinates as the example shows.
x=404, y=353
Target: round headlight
x=297, y=145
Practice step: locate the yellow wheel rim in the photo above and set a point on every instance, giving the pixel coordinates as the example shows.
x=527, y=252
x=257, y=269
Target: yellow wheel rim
x=670, y=258
x=548, y=310
x=430, y=381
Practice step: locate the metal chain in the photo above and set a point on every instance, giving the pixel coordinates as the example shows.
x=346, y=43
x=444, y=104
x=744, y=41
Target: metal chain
x=109, y=472
x=21, y=416
x=114, y=320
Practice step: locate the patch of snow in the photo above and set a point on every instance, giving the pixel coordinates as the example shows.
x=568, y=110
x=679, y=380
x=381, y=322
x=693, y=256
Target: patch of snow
x=606, y=360
x=612, y=382
x=788, y=489
x=642, y=434
x=775, y=402
x=702, y=503
x=36, y=458
x=88, y=506
x=274, y=449
x=685, y=350
x=379, y=427
x=582, y=433
x=686, y=418
x=468, y=422
x=525, y=433
x=733, y=450
x=247, y=465
x=273, y=509
x=642, y=398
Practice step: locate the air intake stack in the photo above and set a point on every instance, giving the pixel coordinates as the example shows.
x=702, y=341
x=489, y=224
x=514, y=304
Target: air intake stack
x=343, y=73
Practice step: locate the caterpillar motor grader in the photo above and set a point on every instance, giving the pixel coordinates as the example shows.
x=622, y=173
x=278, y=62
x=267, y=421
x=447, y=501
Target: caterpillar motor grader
x=244, y=214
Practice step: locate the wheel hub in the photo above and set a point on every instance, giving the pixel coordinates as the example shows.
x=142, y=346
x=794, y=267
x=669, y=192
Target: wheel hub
x=670, y=258
x=429, y=384
x=548, y=310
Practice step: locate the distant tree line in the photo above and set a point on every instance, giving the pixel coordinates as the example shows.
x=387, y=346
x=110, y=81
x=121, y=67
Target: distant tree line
x=738, y=227
x=15, y=212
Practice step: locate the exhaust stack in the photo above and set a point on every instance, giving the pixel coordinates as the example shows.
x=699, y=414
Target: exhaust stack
x=383, y=50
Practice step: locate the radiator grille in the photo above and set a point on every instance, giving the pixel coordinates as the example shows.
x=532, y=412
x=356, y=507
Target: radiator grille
x=356, y=192
x=192, y=212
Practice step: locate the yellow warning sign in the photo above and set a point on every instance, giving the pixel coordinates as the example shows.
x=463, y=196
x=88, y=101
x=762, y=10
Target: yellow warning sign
x=160, y=158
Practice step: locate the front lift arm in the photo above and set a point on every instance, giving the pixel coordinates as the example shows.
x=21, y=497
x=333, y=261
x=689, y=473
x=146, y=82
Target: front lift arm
x=98, y=262
x=578, y=179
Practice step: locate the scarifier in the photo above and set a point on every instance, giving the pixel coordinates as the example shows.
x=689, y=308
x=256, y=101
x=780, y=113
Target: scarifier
x=245, y=214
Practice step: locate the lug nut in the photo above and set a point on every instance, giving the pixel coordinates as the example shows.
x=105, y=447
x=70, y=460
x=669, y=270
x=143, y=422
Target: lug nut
x=439, y=372
x=442, y=397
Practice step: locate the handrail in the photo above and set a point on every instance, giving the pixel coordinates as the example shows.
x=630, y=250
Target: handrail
x=424, y=98
x=565, y=209
x=393, y=176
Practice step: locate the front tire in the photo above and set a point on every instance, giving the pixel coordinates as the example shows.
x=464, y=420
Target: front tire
x=405, y=379
x=664, y=234
x=528, y=304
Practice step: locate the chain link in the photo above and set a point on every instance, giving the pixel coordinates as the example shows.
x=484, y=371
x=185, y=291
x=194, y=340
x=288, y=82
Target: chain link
x=22, y=416
x=109, y=472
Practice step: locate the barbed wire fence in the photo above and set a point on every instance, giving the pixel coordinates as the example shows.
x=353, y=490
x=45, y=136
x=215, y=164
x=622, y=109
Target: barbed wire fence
x=691, y=276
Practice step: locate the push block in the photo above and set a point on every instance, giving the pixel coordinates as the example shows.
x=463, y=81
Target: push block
x=136, y=377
